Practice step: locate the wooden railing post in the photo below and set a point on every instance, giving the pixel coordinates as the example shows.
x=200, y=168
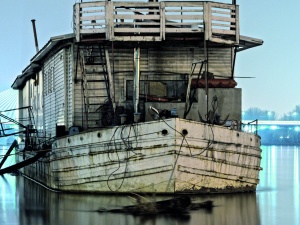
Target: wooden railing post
x=220, y=21
x=77, y=21
x=237, y=25
x=207, y=20
x=109, y=18
x=162, y=20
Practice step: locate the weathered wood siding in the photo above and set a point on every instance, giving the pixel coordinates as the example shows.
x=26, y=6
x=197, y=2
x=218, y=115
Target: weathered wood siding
x=54, y=93
x=24, y=100
x=178, y=59
x=77, y=90
x=31, y=95
x=169, y=62
x=69, y=86
x=37, y=104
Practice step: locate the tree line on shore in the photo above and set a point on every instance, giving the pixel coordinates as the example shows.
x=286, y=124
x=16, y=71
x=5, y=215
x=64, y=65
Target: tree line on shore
x=254, y=113
x=274, y=134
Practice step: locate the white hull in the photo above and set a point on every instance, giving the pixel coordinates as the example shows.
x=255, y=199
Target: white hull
x=153, y=157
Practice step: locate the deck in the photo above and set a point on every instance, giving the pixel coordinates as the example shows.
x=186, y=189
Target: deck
x=156, y=21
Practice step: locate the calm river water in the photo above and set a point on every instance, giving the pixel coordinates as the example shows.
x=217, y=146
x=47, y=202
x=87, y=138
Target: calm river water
x=276, y=201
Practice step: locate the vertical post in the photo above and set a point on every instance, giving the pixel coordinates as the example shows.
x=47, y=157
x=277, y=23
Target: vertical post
x=110, y=80
x=187, y=99
x=136, y=83
x=109, y=21
x=207, y=20
x=237, y=25
x=162, y=20
x=77, y=21
x=237, y=33
x=205, y=75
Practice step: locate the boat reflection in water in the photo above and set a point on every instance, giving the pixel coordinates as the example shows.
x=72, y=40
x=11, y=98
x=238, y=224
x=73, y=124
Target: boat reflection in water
x=40, y=206
x=276, y=201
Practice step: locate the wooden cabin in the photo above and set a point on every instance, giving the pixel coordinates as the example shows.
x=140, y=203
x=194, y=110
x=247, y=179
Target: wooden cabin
x=124, y=57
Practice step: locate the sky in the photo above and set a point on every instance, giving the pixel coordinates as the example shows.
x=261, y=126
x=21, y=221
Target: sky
x=275, y=65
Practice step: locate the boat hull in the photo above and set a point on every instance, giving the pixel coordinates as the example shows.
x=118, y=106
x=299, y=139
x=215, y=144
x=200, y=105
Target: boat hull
x=165, y=156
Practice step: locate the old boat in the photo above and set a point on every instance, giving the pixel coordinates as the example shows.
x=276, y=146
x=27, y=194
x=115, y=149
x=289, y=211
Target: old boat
x=140, y=98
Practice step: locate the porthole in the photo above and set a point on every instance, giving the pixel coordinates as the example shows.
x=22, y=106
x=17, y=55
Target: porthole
x=81, y=138
x=69, y=140
x=184, y=132
x=237, y=134
x=99, y=135
x=164, y=132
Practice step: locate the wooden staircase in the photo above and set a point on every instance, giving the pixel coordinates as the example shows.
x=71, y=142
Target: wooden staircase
x=95, y=85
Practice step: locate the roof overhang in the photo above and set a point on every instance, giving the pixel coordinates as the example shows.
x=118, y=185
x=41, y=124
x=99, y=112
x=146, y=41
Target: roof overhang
x=35, y=63
x=248, y=42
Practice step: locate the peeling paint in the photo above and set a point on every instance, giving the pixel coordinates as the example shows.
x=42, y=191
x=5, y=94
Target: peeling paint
x=156, y=164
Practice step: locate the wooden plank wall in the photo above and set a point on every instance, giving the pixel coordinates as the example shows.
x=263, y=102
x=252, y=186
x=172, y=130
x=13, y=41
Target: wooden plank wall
x=77, y=94
x=156, y=64
x=63, y=98
x=69, y=71
x=54, y=93
x=38, y=103
x=24, y=100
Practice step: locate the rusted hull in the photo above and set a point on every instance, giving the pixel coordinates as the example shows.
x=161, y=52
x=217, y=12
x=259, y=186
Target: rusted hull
x=166, y=156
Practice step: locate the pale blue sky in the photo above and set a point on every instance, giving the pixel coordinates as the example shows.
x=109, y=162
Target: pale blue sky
x=275, y=65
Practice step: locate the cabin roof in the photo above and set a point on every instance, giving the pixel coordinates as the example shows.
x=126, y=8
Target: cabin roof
x=34, y=65
x=248, y=42
x=59, y=41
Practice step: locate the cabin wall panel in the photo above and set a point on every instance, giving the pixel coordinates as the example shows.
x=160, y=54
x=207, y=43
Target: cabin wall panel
x=37, y=104
x=54, y=94
x=122, y=62
x=78, y=105
x=220, y=61
x=23, y=102
x=172, y=61
x=59, y=88
x=69, y=86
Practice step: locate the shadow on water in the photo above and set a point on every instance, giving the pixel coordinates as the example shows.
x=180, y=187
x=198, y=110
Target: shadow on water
x=37, y=205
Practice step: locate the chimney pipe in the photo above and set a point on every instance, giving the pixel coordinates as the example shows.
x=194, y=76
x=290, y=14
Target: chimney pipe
x=35, y=36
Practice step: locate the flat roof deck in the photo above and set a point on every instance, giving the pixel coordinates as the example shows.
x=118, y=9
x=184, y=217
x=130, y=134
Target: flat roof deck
x=157, y=21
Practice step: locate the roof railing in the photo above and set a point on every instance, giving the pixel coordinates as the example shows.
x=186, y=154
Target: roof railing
x=157, y=21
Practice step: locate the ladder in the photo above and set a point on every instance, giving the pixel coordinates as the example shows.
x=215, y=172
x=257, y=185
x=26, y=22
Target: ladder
x=98, y=107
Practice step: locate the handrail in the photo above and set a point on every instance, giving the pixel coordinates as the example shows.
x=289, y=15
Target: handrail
x=251, y=126
x=155, y=21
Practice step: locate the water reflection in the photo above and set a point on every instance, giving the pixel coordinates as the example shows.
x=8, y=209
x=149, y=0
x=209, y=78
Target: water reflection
x=36, y=205
x=275, y=202
x=8, y=201
x=278, y=192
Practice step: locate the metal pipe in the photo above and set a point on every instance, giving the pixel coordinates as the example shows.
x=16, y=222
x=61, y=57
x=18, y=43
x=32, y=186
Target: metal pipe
x=136, y=81
x=35, y=36
x=13, y=145
x=205, y=74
